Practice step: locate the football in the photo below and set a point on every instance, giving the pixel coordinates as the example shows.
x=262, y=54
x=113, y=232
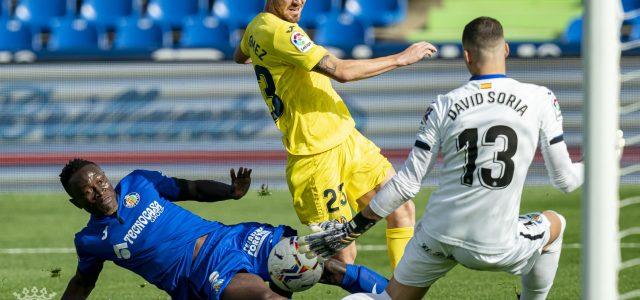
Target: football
x=290, y=270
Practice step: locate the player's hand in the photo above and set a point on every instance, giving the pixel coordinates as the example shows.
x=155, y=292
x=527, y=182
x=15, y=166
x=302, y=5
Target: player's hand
x=241, y=182
x=325, y=244
x=620, y=142
x=416, y=53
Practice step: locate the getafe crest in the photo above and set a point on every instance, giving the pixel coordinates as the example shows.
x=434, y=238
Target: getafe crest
x=131, y=200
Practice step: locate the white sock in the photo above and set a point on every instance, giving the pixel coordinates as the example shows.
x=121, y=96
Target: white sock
x=368, y=296
x=537, y=283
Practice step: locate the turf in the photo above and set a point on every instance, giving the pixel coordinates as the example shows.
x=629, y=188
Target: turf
x=528, y=20
x=49, y=221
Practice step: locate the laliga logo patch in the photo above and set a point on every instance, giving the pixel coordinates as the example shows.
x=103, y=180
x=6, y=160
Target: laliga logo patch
x=131, y=200
x=556, y=105
x=301, y=41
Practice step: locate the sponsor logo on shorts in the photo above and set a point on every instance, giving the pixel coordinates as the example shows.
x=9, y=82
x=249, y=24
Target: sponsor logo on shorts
x=255, y=241
x=131, y=200
x=215, y=281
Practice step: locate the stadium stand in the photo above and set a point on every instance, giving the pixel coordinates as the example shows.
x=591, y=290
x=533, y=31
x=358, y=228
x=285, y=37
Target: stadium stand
x=205, y=32
x=105, y=13
x=315, y=10
x=573, y=32
x=71, y=34
x=170, y=12
x=378, y=12
x=237, y=14
x=138, y=34
x=353, y=32
x=39, y=13
x=14, y=36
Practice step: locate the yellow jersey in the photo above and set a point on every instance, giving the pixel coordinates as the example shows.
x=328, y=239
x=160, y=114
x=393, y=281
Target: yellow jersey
x=310, y=114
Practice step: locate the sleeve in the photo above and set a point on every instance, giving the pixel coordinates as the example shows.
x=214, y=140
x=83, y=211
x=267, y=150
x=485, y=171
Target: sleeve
x=243, y=45
x=87, y=263
x=407, y=182
x=294, y=46
x=564, y=174
x=165, y=185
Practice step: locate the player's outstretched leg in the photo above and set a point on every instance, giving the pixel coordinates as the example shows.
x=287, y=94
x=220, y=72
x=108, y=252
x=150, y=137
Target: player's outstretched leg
x=400, y=223
x=537, y=283
x=248, y=286
x=353, y=278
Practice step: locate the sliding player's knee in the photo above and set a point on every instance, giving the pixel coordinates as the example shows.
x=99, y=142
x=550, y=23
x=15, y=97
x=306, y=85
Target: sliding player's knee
x=347, y=255
x=558, y=225
x=333, y=272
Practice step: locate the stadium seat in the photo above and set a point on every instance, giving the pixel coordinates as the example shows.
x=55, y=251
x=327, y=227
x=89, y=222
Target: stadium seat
x=629, y=5
x=171, y=12
x=343, y=31
x=14, y=36
x=205, y=32
x=39, y=13
x=137, y=34
x=237, y=14
x=314, y=10
x=73, y=34
x=378, y=12
x=573, y=32
x=105, y=13
x=634, y=34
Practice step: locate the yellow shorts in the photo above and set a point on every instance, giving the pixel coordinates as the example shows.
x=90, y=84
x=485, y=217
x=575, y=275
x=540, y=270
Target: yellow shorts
x=327, y=185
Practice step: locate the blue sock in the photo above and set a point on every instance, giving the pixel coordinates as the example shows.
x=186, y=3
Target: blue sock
x=360, y=279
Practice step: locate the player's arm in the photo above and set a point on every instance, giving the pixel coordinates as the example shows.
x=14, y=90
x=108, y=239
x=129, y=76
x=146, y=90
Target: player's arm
x=345, y=70
x=81, y=285
x=212, y=191
x=240, y=58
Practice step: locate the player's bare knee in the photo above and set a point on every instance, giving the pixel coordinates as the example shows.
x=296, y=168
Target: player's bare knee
x=347, y=255
x=557, y=225
x=333, y=272
x=404, y=216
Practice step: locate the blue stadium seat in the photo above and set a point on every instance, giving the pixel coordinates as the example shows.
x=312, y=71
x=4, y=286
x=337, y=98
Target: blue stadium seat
x=171, y=12
x=137, y=34
x=634, y=34
x=205, y=32
x=39, y=13
x=315, y=9
x=105, y=13
x=14, y=36
x=73, y=34
x=573, y=32
x=237, y=13
x=343, y=31
x=378, y=12
x=629, y=5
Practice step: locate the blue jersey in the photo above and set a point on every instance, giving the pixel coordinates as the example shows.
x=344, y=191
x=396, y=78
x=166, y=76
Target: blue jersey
x=150, y=235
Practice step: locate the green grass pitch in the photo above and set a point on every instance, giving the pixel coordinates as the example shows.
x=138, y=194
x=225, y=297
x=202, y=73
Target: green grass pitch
x=49, y=221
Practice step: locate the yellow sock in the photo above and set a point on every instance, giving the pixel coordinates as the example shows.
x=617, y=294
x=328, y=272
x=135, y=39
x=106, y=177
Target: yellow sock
x=397, y=239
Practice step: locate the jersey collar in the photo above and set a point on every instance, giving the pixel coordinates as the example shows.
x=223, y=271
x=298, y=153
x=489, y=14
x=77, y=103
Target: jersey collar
x=487, y=76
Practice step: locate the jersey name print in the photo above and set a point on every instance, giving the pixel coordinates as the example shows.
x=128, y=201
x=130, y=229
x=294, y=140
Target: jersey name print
x=487, y=131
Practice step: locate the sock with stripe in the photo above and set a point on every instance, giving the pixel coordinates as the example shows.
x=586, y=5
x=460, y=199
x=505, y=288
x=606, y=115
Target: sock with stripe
x=360, y=279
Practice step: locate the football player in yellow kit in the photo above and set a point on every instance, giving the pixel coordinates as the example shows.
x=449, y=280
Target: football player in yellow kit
x=331, y=167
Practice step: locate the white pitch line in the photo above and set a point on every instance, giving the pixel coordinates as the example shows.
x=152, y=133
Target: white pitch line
x=365, y=248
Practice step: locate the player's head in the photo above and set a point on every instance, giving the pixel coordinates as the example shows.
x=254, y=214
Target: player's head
x=288, y=10
x=88, y=187
x=483, y=43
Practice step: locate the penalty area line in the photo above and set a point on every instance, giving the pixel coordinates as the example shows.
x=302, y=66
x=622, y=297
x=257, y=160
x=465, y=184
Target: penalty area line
x=364, y=248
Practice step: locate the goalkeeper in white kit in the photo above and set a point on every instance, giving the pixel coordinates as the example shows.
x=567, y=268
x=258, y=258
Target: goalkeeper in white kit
x=487, y=131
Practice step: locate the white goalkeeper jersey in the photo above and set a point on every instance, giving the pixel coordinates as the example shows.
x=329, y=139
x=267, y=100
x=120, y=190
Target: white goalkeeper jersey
x=487, y=131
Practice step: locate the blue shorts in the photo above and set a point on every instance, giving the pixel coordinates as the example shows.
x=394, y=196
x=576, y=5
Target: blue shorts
x=229, y=250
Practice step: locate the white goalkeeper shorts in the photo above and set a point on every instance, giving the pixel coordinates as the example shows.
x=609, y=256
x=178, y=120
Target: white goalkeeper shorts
x=426, y=259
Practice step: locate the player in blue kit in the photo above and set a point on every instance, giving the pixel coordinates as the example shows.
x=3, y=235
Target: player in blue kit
x=137, y=226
